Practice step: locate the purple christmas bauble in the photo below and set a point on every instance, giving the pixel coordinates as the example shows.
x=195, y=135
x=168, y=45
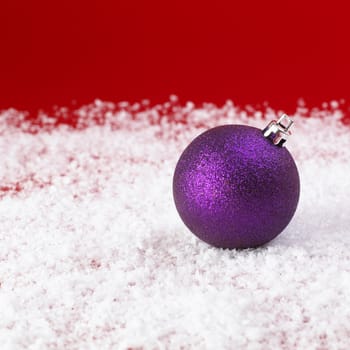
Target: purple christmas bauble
x=234, y=188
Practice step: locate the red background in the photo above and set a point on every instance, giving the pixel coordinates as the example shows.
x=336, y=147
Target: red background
x=53, y=52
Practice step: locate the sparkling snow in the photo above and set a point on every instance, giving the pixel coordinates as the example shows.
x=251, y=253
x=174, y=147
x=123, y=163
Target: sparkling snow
x=93, y=254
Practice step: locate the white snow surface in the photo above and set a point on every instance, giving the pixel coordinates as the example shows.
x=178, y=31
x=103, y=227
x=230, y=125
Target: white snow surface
x=93, y=254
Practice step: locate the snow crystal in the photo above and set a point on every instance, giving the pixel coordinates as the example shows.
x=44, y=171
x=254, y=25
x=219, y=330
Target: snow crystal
x=93, y=254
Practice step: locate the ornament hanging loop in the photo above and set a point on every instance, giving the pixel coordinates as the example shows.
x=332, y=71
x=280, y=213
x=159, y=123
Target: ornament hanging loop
x=278, y=131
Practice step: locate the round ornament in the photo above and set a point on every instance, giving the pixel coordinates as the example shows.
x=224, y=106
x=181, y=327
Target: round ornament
x=237, y=186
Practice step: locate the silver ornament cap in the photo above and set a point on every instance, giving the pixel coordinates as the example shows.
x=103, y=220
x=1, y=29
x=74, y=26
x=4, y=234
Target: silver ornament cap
x=278, y=131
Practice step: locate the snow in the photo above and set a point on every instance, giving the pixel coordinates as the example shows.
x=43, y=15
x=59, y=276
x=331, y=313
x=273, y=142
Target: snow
x=93, y=254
